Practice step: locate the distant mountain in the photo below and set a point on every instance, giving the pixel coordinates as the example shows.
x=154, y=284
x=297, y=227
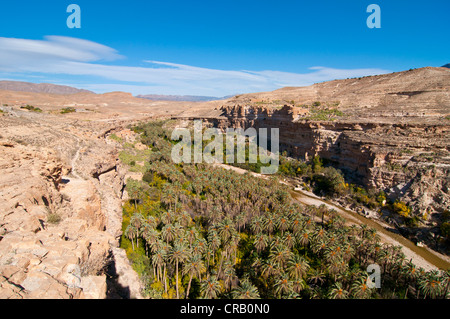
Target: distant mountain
x=39, y=88
x=446, y=66
x=183, y=98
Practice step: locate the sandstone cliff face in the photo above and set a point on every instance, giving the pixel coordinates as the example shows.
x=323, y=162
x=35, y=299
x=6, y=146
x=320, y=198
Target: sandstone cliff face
x=60, y=212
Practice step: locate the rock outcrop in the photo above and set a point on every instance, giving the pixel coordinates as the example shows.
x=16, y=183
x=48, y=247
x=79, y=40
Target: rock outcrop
x=60, y=212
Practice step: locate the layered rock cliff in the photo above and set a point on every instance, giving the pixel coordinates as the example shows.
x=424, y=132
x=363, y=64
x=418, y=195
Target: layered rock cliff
x=371, y=128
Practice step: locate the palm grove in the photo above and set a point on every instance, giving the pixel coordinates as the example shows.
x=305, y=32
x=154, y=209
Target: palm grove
x=199, y=231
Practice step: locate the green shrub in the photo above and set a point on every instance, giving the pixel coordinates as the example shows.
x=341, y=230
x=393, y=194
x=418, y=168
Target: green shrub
x=330, y=181
x=401, y=208
x=68, y=110
x=114, y=137
x=31, y=108
x=445, y=230
x=53, y=218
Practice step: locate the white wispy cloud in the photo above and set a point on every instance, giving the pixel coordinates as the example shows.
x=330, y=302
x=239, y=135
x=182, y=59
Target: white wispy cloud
x=57, y=55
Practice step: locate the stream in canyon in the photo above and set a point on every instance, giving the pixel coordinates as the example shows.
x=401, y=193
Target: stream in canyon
x=396, y=239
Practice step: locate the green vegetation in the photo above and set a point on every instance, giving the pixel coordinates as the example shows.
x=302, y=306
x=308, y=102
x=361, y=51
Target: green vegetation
x=445, y=226
x=319, y=114
x=31, y=108
x=319, y=111
x=68, y=110
x=198, y=231
x=53, y=218
x=114, y=137
x=323, y=180
x=131, y=156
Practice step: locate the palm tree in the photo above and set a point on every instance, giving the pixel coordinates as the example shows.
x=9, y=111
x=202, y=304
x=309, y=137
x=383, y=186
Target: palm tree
x=167, y=217
x=303, y=238
x=283, y=285
x=289, y=239
x=229, y=275
x=199, y=246
x=323, y=211
x=338, y=292
x=194, y=266
x=234, y=245
x=297, y=224
x=150, y=236
x=360, y=289
x=192, y=235
x=336, y=266
x=137, y=220
x=283, y=223
x=318, y=245
x=245, y=290
x=158, y=260
x=210, y=287
x=168, y=197
x=269, y=223
x=240, y=220
x=185, y=219
x=261, y=242
x=430, y=285
x=411, y=273
x=297, y=266
x=225, y=229
x=152, y=221
x=316, y=276
x=445, y=283
x=279, y=255
x=130, y=233
x=177, y=255
x=268, y=269
x=213, y=241
x=256, y=225
x=299, y=285
x=168, y=233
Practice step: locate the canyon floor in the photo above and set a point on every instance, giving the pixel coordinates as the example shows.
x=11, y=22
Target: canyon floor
x=62, y=184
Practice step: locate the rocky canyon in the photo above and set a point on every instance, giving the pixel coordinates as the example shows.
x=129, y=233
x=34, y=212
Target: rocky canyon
x=62, y=183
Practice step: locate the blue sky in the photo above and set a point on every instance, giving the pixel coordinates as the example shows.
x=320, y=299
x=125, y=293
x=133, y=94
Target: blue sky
x=216, y=48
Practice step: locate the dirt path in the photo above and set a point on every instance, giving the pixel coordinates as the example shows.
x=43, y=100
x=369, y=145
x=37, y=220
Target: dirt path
x=73, y=164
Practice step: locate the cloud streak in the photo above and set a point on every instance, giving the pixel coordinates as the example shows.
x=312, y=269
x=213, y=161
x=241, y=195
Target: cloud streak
x=65, y=56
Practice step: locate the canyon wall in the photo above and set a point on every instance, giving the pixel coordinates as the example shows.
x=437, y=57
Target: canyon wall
x=410, y=160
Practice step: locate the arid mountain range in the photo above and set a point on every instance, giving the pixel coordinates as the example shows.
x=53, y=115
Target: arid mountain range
x=39, y=88
x=389, y=132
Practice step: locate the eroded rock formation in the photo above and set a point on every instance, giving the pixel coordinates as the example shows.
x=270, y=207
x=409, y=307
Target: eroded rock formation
x=60, y=213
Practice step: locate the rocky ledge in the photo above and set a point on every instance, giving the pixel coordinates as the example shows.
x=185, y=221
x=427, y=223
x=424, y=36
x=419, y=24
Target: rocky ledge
x=60, y=214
